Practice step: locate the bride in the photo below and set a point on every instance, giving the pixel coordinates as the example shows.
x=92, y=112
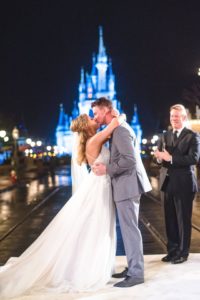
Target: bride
x=77, y=249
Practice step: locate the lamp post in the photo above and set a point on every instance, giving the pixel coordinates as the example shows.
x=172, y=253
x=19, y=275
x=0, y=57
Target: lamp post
x=14, y=172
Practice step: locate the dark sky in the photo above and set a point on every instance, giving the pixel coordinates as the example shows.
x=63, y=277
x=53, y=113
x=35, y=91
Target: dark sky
x=154, y=46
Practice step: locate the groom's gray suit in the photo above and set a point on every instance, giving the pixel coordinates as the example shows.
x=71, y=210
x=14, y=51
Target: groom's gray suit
x=129, y=181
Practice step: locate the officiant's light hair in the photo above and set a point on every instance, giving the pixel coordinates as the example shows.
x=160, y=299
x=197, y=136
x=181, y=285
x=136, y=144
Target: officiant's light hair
x=180, y=108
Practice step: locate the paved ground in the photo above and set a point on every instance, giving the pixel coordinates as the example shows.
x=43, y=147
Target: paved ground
x=27, y=208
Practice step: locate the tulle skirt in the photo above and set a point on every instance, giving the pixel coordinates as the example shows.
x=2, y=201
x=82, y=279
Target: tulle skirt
x=75, y=252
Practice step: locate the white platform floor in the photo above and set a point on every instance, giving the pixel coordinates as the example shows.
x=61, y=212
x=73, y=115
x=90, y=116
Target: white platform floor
x=163, y=281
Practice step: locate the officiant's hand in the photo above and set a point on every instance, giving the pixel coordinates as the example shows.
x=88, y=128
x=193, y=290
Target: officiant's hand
x=158, y=155
x=163, y=155
x=99, y=169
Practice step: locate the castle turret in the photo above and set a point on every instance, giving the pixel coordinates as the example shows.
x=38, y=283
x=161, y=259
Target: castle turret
x=94, y=72
x=75, y=111
x=61, y=130
x=101, y=64
x=82, y=91
x=89, y=86
x=61, y=120
x=111, y=81
x=136, y=125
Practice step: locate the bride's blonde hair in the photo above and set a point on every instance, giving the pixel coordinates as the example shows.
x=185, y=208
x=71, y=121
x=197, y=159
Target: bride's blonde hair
x=80, y=125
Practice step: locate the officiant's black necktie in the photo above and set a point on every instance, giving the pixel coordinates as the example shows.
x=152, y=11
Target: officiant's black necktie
x=175, y=136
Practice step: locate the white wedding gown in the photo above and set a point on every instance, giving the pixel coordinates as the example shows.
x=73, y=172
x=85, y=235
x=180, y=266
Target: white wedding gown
x=75, y=252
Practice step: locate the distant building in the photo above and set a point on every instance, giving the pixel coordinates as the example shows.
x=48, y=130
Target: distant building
x=99, y=83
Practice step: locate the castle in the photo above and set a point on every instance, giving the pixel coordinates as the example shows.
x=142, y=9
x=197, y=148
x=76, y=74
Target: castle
x=99, y=83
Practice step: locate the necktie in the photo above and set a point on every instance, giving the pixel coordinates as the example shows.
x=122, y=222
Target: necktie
x=175, y=136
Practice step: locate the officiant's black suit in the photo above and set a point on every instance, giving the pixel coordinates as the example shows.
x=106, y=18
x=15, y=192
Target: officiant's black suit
x=179, y=183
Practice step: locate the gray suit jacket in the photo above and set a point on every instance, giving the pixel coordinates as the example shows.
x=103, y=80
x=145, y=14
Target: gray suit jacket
x=129, y=178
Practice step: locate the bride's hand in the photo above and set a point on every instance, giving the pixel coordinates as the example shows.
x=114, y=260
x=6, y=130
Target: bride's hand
x=115, y=112
x=118, y=120
x=121, y=118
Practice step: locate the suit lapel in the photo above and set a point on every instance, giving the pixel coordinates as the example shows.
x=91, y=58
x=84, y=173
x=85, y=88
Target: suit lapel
x=170, y=139
x=181, y=136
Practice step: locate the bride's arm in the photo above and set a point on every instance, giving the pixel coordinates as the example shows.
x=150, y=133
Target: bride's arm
x=100, y=137
x=94, y=144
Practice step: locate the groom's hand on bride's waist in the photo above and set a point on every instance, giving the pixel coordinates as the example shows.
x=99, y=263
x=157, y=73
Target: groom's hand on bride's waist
x=99, y=169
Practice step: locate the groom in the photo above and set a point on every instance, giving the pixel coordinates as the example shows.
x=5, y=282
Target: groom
x=129, y=181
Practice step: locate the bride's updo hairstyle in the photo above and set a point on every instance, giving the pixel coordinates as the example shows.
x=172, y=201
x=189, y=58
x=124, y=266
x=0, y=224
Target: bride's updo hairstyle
x=80, y=125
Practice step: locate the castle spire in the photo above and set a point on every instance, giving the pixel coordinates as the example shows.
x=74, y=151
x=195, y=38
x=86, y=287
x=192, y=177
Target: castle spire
x=135, y=119
x=61, y=120
x=75, y=111
x=82, y=86
x=111, y=81
x=82, y=76
x=93, y=72
x=110, y=70
x=101, y=64
x=89, y=86
x=136, y=125
x=102, y=50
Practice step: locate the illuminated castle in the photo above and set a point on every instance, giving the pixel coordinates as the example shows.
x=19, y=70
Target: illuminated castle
x=99, y=83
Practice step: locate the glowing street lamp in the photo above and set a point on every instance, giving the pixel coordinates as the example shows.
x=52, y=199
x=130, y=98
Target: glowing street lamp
x=48, y=148
x=32, y=144
x=144, y=141
x=2, y=133
x=6, y=139
x=15, y=135
x=28, y=141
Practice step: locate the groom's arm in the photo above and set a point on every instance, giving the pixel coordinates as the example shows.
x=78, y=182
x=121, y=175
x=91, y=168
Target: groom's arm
x=124, y=143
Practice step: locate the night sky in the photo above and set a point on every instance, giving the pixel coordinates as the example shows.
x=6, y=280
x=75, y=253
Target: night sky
x=154, y=46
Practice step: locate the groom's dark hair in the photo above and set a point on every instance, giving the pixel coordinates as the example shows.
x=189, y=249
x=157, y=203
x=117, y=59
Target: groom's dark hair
x=102, y=102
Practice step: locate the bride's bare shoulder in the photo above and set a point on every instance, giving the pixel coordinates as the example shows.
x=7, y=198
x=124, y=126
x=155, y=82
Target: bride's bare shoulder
x=92, y=150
